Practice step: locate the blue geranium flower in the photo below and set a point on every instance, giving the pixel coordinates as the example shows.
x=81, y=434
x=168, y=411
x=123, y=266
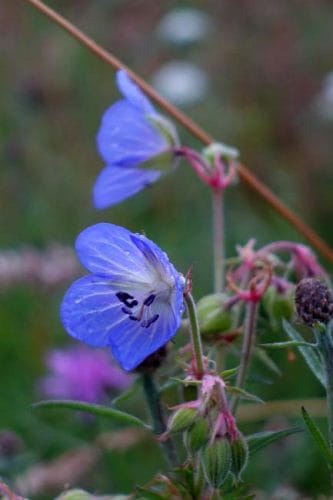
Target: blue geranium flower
x=133, y=299
x=131, y=133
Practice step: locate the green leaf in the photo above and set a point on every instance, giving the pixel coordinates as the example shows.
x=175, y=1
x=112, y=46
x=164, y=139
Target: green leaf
x=186, y=382
x=263, y=439
x=229, y=373
x=288, y=343
x=148, y=494
x=310, y=355
x=98, y=410
x=243, y=394
x=318, y=438
x=170, y=384
x=262, y=355
x=131, y=391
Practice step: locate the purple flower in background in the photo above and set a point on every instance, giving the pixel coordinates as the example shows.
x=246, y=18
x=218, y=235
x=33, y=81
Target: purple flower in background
x=82, y=374
x=131, y=133
x=133, y=299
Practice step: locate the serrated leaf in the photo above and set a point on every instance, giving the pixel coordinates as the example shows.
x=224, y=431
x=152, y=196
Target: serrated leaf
x=288, y=343
x=262, y=355
x=318, y=437
x=229, y=373
x=98, y=410
x=262, y=439
x=310, y=356
x=243, y=394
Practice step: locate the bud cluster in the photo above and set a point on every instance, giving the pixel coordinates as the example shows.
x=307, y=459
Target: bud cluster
x=210, y=433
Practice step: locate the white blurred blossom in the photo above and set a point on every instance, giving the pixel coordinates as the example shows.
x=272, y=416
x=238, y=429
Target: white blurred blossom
x=181, y=82
x=184, y=26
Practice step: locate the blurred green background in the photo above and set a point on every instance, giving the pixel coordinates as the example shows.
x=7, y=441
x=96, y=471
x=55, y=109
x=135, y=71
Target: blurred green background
x=267, y=90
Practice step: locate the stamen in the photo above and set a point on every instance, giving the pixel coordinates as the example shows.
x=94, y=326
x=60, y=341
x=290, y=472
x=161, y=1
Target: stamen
x=148, y=322
x=126, y=311
x=149, y=300
x=127, y=299
x=134, y=318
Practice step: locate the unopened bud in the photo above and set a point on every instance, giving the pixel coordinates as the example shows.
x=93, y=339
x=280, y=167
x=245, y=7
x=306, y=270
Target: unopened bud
x=239, y=455
x=182, y=419
x=213, y=318
x=314, y=302
x=219, y=149
x=278, y=305
x=216, y=462
x=197, y=436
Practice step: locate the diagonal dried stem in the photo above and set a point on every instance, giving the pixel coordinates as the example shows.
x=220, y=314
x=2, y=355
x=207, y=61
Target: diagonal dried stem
x=244, y=172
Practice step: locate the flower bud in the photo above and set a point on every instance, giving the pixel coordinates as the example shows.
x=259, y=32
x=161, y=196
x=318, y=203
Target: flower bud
x=212, y=316
x=239, y=455
x=219, y=149
x=278, y=305
x=216, y=462
x=314, y=302
x=182, y=419
x=197, y=436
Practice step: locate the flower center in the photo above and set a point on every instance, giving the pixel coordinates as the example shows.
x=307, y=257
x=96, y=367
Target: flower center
x=136, y=311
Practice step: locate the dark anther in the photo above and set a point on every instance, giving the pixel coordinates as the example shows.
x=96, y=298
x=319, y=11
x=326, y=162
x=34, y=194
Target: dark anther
x=149, y=300
x=150, y=321
x=126, y=311
x=127, y=299
x=134, y=318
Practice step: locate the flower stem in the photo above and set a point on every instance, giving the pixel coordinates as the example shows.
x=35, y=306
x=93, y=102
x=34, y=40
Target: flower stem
x=249, y=336
x=195, y=335
x=326, y=348
x=218, y=239
x=158, y=416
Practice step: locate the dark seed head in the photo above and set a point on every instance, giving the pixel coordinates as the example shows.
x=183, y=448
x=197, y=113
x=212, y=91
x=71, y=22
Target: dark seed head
x=314, y=302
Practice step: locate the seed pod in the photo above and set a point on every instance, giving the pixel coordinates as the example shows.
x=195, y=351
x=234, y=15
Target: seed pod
x=212, y=316
x=182, y=419
x=314, y=302
x=239, y=455
x=196, y=436
x=216, y=462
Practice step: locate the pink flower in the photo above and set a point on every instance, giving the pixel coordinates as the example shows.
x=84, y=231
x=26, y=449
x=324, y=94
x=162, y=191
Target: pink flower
x=82, y=374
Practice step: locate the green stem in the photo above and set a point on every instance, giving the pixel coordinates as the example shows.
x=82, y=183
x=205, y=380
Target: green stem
x=326, y=348
x=158, y=416
x=218, y=239
x=195, y=335
x=249, y=336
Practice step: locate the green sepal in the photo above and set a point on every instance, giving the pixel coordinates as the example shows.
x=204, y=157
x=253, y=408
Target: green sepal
x=98, y=410
x=318, y=438
x=310, y=356
x=260, y=440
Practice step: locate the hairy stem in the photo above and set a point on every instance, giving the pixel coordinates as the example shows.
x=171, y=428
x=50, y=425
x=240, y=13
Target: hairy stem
x=218, y=238
x=158, y=416
x=245, y=173
x=195, y=335
x=249, y=336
